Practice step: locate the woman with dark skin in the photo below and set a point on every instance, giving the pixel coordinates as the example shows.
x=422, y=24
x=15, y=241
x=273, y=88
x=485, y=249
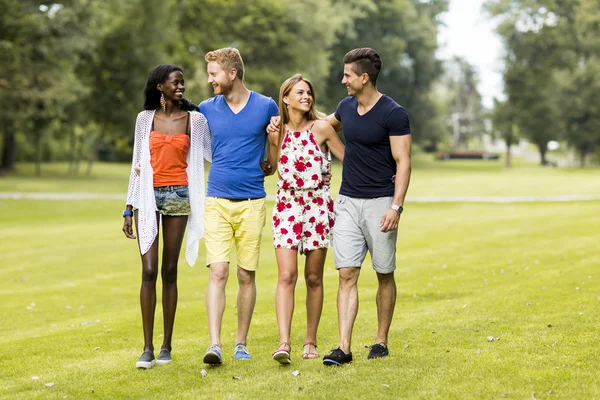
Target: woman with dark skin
x=166, y=187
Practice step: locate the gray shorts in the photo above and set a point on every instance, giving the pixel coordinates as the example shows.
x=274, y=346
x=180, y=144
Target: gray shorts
x=357, y=230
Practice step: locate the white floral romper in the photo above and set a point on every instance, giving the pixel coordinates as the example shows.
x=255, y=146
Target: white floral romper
x=303, y=212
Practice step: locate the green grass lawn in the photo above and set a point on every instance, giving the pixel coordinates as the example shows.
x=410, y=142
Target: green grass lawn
x=429, y=178
x=524, y=273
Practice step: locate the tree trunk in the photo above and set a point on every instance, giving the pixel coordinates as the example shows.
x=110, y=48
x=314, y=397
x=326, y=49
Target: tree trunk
x=542, y=147
x=8, y=150
x=508, y=155
x=72, y=150
x=582, y=154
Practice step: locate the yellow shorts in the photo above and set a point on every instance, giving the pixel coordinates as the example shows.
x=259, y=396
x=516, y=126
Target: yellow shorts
x=226, y=221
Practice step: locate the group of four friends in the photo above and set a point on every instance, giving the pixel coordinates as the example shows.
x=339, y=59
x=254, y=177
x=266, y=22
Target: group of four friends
x=232, y=130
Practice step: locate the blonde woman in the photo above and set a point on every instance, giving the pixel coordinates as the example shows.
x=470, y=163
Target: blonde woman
x=303, y=212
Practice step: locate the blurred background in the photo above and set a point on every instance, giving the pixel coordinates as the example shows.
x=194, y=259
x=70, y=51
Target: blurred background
x=480, y=79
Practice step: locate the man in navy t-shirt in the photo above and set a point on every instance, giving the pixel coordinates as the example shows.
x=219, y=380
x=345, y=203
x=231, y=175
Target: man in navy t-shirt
x=375, y=177
x=235, y=202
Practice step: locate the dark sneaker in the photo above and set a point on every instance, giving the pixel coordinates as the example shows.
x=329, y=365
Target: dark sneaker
x=164, y=357
x=337, y=357
x=378, y=351
x=146, y=361
x=213, y=355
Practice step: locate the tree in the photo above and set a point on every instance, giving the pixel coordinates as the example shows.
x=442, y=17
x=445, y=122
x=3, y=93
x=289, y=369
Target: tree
x=503, y=121
x=466, y=108
x=42, y=46
x=404, y=33
x=276, y=38
x=552, y=74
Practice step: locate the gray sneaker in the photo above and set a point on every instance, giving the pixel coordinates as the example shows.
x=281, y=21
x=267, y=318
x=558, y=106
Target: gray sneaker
x=146, y=361
x=164, y=357
x=213, y=355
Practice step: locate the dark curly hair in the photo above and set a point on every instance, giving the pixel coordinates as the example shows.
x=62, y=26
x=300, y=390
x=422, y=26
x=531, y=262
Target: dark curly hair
x=160, y=74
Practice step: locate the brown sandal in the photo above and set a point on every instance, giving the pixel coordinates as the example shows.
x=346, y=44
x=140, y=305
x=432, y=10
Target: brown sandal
x=309, y=355
x=282, y=354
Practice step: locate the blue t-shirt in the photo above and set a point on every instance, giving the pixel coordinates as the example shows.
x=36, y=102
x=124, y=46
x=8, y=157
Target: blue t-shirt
x=238, y=146
x=368, y=162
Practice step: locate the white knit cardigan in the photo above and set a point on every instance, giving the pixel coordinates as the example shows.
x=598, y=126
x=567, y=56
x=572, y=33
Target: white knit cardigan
x=141, y=187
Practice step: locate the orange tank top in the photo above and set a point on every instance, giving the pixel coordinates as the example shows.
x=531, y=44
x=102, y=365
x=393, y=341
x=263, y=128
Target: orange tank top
x=168, y=154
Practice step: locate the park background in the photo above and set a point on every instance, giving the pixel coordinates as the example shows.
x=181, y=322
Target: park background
x=498, y=293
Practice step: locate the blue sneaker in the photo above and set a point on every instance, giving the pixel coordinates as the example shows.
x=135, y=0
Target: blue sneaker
x=213, y=355
x=240, y=352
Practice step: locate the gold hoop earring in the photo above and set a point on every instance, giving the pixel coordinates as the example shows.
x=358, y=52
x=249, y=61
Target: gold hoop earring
x=163, y=102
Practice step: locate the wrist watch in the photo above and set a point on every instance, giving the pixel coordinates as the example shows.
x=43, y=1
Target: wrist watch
x=397, y=208
x=127, y=213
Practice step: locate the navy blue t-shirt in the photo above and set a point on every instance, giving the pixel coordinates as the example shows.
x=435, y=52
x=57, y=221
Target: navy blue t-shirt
x=368, y=162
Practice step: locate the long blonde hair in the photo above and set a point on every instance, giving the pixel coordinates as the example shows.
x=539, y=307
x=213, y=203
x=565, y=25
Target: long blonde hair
x=286, y=87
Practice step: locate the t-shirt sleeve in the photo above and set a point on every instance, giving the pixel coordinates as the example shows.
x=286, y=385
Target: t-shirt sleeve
x=398, y=122
x=202, y=107
x=273, y=109
x=337, y=113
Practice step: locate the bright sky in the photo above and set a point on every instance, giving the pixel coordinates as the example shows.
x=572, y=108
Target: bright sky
x=470, y=34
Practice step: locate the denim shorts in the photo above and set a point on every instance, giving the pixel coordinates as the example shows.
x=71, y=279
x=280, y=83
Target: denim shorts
x=172, y=200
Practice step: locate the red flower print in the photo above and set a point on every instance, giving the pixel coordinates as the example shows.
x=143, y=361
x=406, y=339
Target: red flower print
x=296, y=135
x=297, y=228
x=312, y=220
x=277, y=222
x=312, y=139
x=315, y=243
x=284, y=231
x=286, y=185
x=320, y=228
x=289, y=241
x=315, y=177
x=291, y=218
x=304, y=142
x=300, y=166
x=309, y=164
x=280, y=206
x=330, y=205
x=311, y=152
x=283, y=159
x=307, y=234
x=299, y=182
x=320, y=200
x=318, y=158
x=287, y=139
x=288, y=205
x=307, y=207
x=331, y=222
x=309, y=194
